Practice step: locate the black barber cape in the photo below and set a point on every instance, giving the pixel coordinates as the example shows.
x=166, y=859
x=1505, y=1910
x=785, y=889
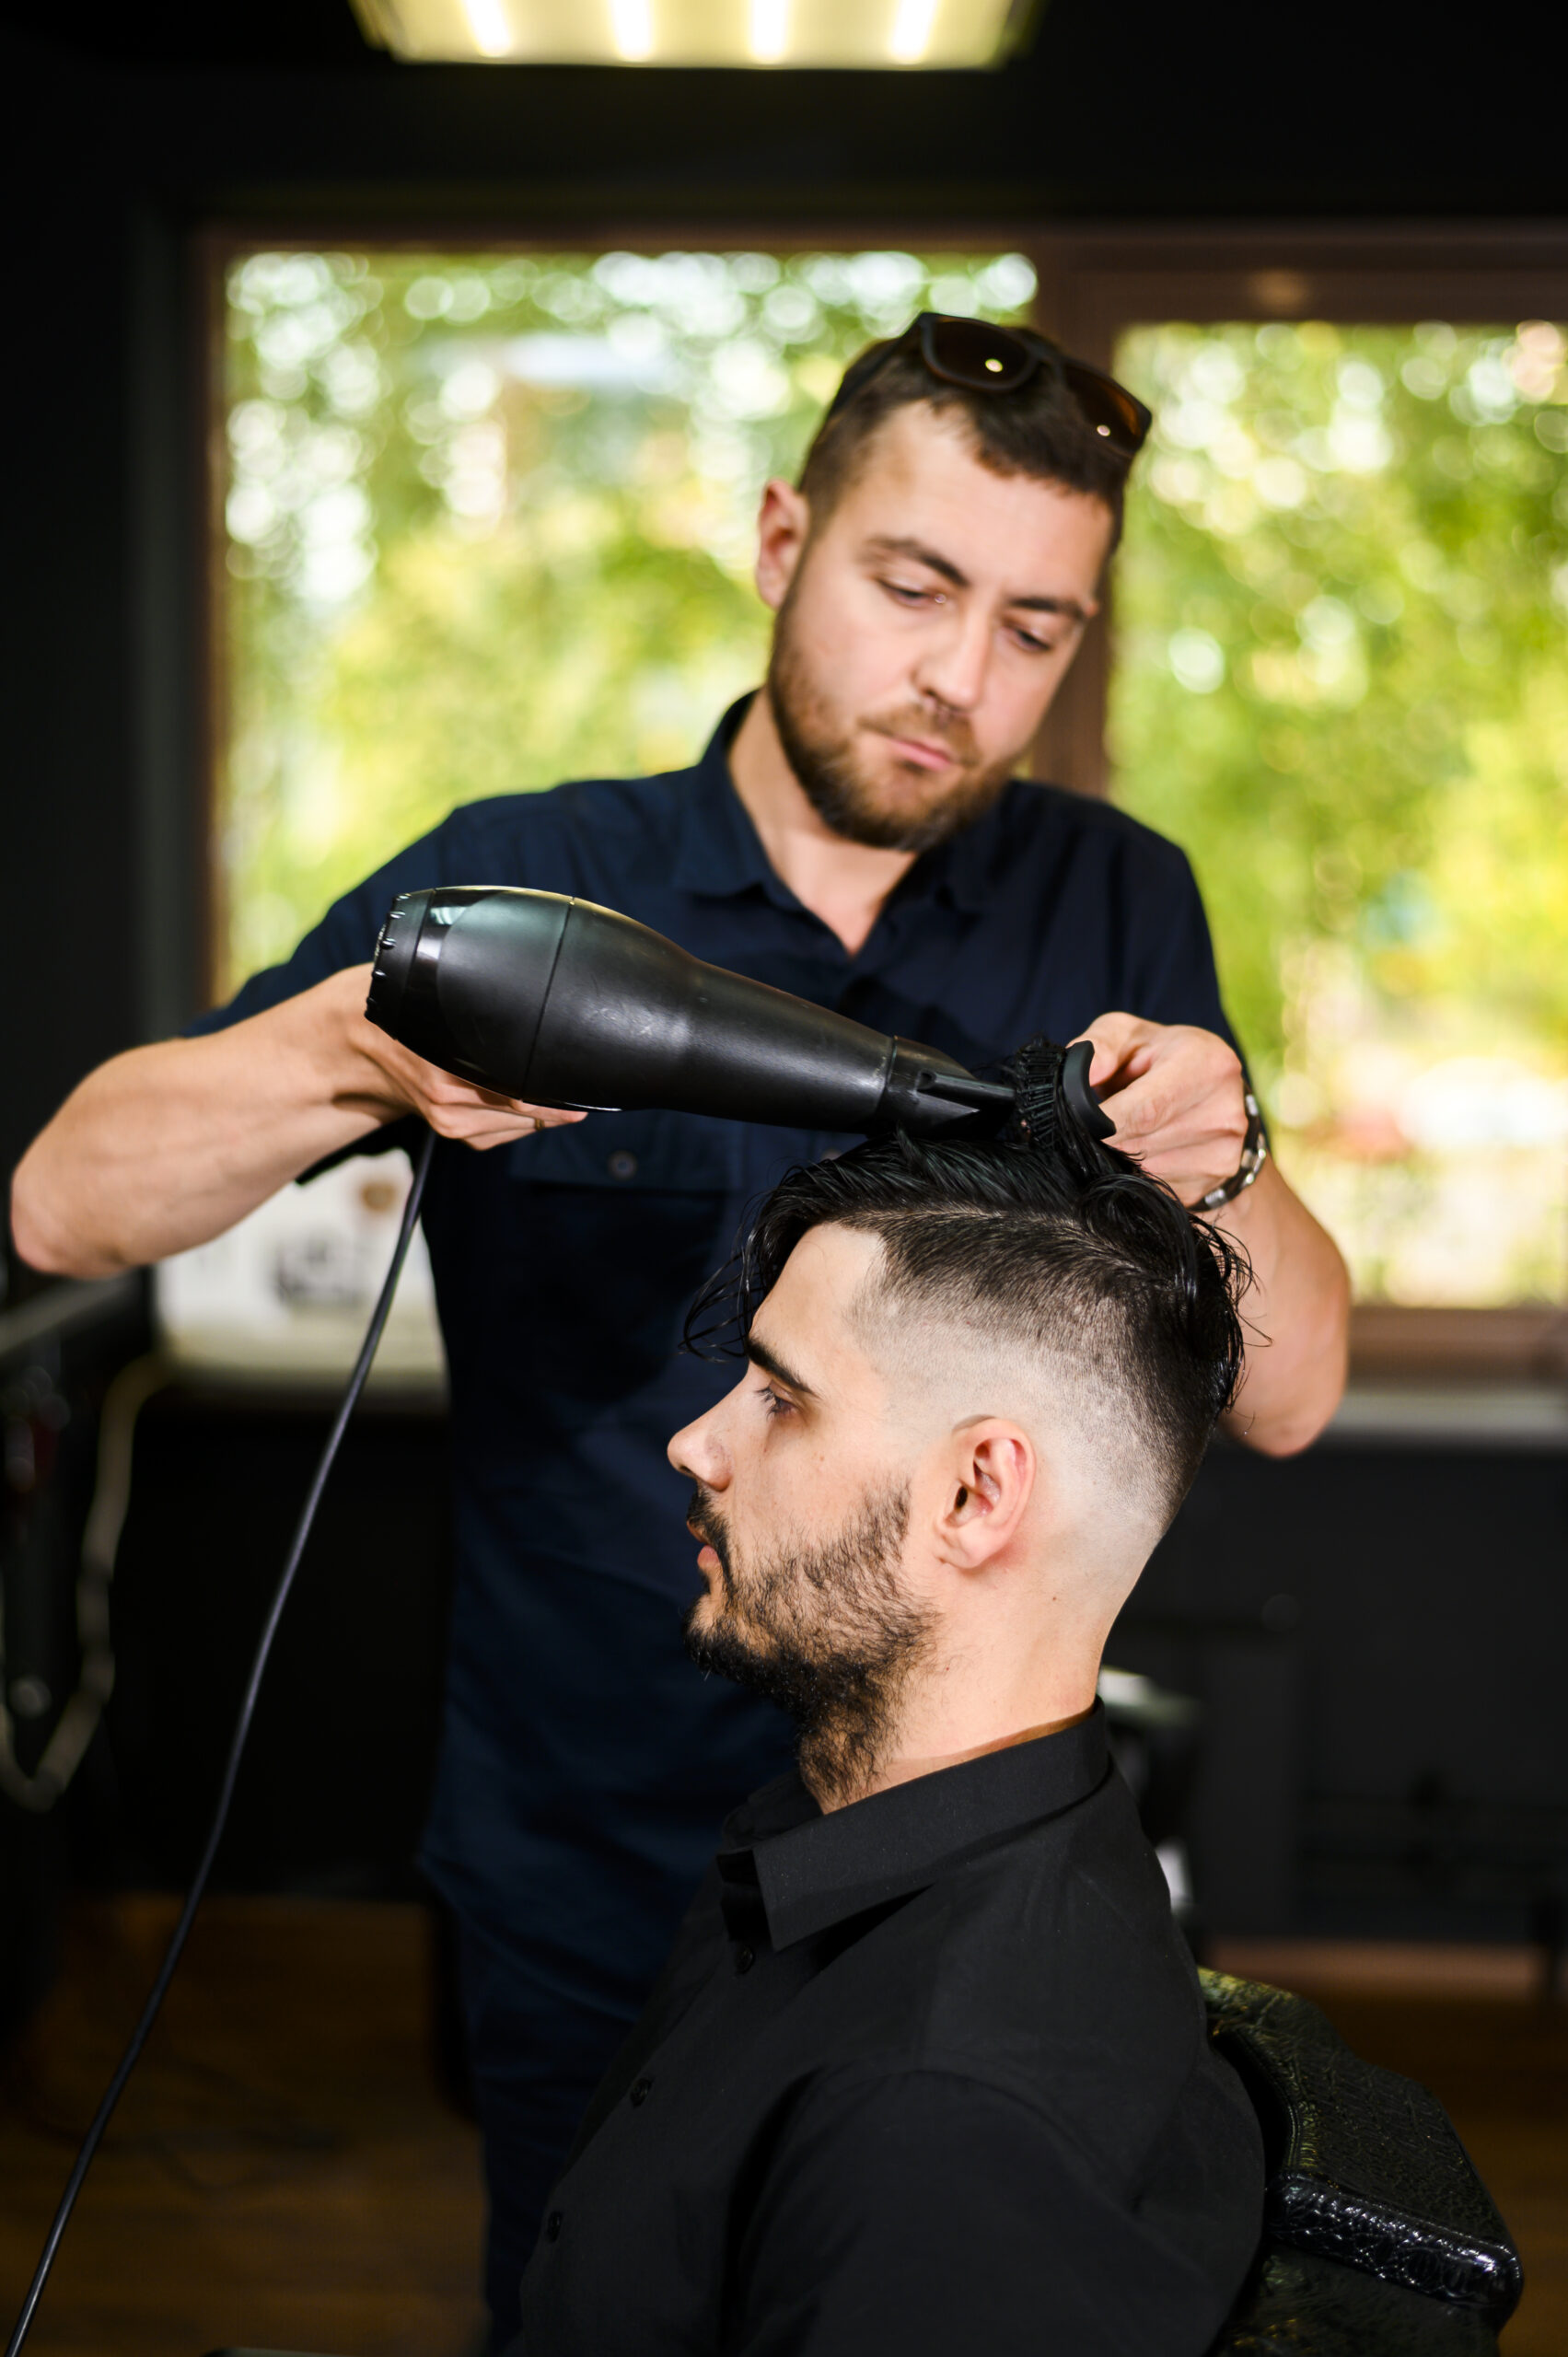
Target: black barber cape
x=930, y=2073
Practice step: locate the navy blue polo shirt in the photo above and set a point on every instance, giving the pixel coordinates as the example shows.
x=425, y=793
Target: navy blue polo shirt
x=585, y=1766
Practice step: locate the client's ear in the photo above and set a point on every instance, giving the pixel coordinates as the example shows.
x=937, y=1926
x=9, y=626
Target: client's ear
x=990, y=1468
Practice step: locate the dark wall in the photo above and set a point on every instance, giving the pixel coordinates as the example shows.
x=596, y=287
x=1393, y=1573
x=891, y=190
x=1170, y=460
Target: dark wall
x=1374, y=1631
x=337, y=1771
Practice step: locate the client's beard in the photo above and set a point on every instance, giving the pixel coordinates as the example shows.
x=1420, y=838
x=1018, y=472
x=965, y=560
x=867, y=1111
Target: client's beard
x=825, y=1630
x=822, y=754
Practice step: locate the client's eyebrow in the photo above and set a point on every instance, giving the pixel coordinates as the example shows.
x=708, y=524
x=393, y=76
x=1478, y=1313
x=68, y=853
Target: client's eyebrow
x=760, y=1355
x=891, y=544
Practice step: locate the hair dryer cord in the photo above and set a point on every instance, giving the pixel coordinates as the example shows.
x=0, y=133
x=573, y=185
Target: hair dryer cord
x=128, y=2061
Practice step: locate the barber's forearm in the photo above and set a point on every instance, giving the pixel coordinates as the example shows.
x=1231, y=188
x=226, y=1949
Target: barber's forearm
x=168, y=1146
x=1297, y=1314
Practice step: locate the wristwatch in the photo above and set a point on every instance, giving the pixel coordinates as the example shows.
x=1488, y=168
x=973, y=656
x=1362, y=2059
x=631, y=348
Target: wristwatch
x=1254, y=1154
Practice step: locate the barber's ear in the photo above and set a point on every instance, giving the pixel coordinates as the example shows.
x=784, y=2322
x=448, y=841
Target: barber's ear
x=783, y=524
x=993, y=1471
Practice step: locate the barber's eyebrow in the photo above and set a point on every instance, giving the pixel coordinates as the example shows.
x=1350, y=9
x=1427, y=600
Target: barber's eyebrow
x=757, y=1351
x=893, y=544
x=1068, y=606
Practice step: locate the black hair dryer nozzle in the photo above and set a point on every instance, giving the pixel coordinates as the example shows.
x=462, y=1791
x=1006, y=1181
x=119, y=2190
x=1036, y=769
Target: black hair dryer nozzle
x=560, y=1003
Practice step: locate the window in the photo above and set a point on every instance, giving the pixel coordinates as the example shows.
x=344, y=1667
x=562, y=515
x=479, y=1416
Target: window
x=1339, y=678
x=489, y=525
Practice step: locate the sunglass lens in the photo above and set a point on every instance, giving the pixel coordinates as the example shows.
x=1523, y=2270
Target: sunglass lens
x=1112, y=412
x=971, y=352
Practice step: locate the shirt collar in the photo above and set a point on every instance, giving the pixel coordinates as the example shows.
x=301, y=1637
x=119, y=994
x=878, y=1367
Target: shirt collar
x=814, y=1871
x=970, y=866
x=719, y=853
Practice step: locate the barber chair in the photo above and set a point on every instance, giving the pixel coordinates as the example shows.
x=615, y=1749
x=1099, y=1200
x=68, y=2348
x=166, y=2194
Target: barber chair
x=1154, y=1739
x=1380, y=2240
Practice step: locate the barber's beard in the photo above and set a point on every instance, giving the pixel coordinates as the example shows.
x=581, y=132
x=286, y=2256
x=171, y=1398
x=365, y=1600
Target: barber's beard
x=823, y=753
x=823, y=1628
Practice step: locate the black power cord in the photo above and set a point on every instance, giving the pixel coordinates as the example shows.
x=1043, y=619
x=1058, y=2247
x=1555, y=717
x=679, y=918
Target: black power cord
x=128, y=2061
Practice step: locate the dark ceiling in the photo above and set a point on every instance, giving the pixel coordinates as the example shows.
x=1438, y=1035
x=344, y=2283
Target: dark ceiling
x=176, y=32
x=1118, y=109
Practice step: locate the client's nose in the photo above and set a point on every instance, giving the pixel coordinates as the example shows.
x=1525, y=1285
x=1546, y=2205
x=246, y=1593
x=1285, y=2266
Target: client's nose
x=698, y=1452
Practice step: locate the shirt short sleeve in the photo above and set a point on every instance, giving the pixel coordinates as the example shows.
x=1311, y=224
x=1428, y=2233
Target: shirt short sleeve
x=928, y=2212
x=347, y=935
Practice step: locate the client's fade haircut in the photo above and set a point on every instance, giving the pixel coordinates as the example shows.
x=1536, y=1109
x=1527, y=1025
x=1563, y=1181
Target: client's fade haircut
x=1038, y=431
x=1041, y=1243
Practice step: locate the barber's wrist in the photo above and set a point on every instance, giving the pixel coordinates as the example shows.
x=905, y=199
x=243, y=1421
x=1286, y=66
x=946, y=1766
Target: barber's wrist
x=1254, y=1155
x=357, y=1063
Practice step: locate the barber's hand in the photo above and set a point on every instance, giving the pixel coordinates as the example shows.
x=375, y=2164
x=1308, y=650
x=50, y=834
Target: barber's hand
x=389, y=1078
x=1176, y=1096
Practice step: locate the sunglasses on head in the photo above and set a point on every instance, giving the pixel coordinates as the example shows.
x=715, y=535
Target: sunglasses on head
x=985, y=359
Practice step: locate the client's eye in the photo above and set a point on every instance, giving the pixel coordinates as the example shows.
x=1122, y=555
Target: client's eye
x=775, y=1403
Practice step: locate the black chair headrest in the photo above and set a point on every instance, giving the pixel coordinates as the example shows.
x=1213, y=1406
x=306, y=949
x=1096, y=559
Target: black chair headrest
x=1363, y=2166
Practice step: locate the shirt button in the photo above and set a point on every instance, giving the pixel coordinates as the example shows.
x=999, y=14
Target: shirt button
x=745, y=1959
x=623, y=1165
x=552, y=2226
x=642, y=2090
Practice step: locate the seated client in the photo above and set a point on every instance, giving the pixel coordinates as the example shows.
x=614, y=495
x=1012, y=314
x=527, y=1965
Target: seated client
x=927, y=2069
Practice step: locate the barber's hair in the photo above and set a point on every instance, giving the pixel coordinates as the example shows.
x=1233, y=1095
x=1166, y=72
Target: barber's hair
x=1051, y=1245
x=1038, y=431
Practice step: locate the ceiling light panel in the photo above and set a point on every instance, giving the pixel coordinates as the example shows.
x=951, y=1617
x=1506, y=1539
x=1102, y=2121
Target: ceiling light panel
x=698, y=32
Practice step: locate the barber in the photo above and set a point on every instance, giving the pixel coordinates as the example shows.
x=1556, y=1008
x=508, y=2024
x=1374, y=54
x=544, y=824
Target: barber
x=854, y=833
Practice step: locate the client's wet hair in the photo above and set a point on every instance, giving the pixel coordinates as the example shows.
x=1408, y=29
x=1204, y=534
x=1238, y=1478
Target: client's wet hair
x=1040, y=1240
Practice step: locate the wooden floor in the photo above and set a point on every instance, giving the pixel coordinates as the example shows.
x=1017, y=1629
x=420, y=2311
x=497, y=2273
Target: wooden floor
x=284, y=2173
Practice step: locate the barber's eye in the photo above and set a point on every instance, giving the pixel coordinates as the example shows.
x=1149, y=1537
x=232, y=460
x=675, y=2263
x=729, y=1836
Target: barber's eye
x=775, y=1403
x=908, y=594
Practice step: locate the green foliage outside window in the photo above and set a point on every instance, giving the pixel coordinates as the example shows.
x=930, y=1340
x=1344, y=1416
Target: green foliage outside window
x=490, y=525
x=1340, y=682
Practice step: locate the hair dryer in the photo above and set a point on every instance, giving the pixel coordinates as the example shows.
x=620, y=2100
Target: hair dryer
x=560, y=1003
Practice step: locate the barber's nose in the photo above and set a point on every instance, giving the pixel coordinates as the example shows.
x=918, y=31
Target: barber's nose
x=955, y=671
x=698, y=1451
